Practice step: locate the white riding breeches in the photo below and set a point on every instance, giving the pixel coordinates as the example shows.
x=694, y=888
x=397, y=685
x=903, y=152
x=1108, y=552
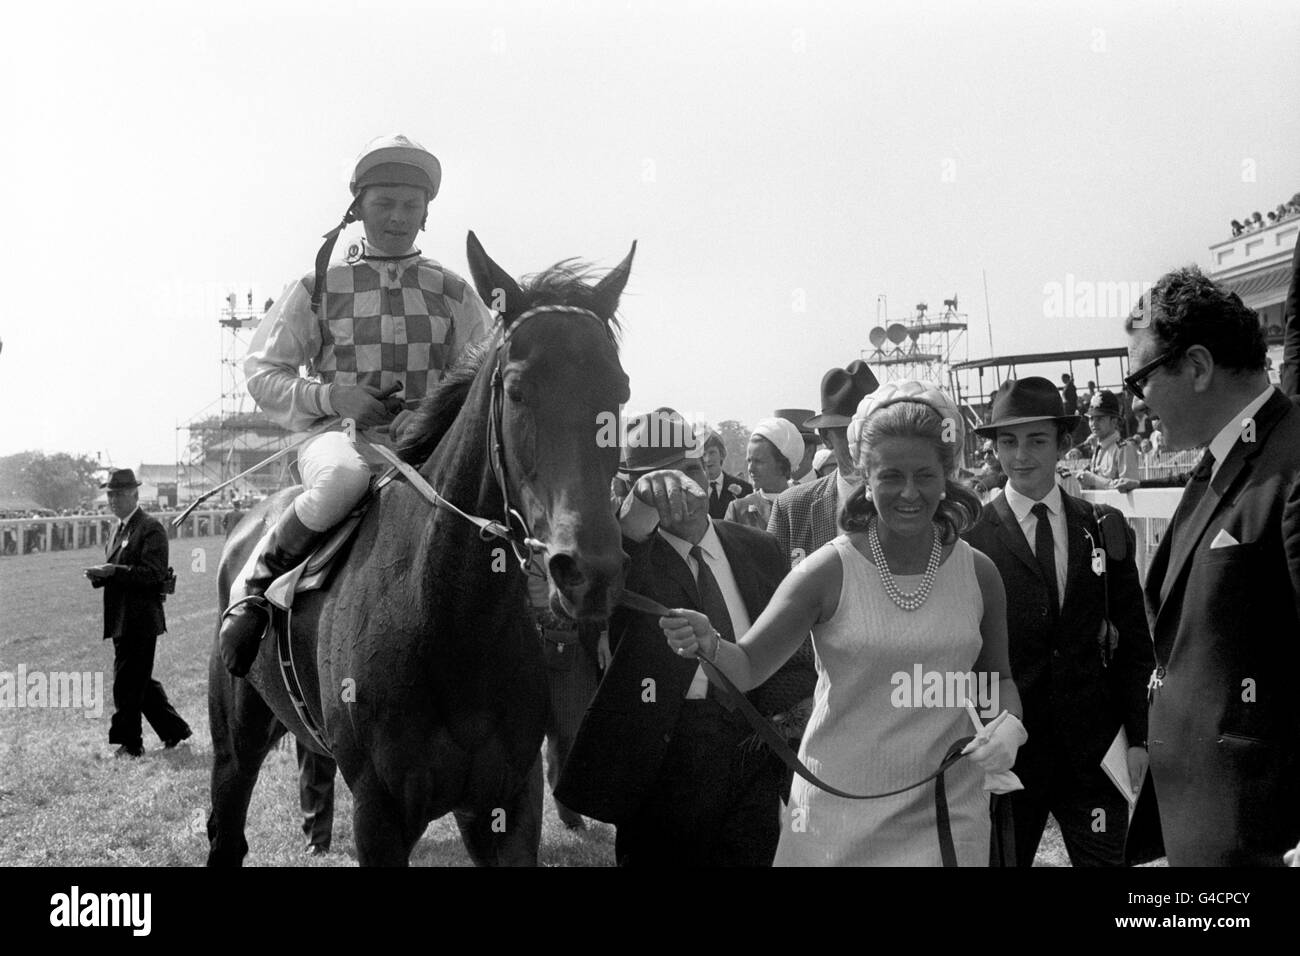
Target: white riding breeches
x=334, y=477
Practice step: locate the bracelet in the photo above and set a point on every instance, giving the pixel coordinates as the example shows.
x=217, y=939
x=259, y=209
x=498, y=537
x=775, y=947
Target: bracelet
x=718, y=641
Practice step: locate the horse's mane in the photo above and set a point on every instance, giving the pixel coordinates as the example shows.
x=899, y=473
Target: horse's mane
x=569, y=282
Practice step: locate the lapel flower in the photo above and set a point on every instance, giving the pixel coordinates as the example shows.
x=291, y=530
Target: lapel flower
x=734, y=489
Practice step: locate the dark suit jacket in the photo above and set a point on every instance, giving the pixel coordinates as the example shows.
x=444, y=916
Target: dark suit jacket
x=133, y=601
x=1073, y=705
x=1225, y=724
x=627, y=729
x=718, y=503
x=805, y=517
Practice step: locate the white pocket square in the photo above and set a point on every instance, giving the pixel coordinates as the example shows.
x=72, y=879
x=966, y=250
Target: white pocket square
x=1223, y=540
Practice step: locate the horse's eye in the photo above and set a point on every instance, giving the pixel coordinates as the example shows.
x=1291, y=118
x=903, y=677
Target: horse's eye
x=515, y=393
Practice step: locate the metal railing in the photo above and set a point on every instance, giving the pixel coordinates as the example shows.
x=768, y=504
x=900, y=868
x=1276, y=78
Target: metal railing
x=75, y=532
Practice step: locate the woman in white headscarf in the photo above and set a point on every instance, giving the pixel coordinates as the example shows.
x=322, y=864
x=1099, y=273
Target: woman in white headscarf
x=775, y=448
x=897, y=600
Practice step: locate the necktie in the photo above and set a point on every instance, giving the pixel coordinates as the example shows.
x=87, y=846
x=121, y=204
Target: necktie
x=1045, y=552
x=1197, y=485
x=712, y=603
x=714, y=606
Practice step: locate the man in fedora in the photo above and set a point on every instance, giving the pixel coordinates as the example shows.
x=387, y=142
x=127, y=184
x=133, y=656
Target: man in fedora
x=1079, y=645
x=723, y=488
x=1114, y=464
x=375, y=333
x=659, y=754
x=133, y=578
x=806, y=516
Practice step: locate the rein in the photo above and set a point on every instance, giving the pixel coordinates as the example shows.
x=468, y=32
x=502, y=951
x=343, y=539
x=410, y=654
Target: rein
x=778, y=745
x=513, y=529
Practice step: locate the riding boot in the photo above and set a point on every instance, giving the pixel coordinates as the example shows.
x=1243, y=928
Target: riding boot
x=244, y=622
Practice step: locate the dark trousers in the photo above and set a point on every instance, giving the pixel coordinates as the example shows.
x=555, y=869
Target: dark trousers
x=572, y=679
x=716, y=801
x=136, y=693
x=1092, y=815
x=316, y=796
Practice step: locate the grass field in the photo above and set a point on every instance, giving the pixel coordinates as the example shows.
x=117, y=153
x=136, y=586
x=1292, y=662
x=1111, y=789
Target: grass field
x=65, y=801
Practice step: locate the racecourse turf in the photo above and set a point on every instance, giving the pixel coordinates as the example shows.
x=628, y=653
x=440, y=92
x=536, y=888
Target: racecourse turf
x=65, y=801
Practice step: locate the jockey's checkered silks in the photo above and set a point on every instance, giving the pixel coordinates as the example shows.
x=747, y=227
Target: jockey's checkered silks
x=382, y=323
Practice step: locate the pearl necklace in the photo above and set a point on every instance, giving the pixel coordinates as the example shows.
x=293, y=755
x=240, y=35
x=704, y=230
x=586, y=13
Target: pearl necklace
x=908, y=602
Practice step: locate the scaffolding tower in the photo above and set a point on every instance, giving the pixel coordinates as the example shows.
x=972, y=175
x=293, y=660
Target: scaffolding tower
x=237, y=436
x=919, y=348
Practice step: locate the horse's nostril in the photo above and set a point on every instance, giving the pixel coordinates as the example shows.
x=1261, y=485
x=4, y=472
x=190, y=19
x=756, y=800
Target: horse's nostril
x=565, y=572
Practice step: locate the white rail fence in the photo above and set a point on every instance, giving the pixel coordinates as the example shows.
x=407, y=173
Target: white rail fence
x=30, y=535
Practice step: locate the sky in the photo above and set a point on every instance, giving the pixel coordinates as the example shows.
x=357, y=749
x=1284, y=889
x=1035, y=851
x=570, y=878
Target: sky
x=781, y=166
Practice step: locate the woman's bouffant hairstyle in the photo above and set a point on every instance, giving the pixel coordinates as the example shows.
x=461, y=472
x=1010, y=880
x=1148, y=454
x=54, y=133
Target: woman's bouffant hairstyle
x=957, y=512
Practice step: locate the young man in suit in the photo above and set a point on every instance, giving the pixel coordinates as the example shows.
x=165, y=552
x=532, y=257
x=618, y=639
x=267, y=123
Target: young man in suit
x=1223, y=590
x=806, y=516
x=1079, y=680
x=659, y=754
x=723, y=488
x=133, y=579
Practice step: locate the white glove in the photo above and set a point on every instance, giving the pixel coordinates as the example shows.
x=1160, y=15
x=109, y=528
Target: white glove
x=994, y=748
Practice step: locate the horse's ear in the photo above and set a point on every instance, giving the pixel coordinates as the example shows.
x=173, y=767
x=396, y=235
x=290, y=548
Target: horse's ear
x=495, y=286
x=609, y=289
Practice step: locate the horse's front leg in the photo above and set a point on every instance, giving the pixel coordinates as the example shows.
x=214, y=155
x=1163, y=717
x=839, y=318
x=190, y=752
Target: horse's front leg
x=384, y=831
x=509, y=835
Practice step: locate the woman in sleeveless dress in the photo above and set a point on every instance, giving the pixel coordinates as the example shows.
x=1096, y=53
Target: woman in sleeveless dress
x=908, y=622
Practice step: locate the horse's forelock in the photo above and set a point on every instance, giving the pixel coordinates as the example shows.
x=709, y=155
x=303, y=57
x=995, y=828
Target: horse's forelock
x=570, y=282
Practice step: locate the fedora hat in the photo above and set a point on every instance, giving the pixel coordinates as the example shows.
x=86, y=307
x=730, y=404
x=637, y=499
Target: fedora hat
x=1104, y=402
x=842, y=390
x=1024, y=400
x=797, y=417
x=119, y=479
x=658, y=439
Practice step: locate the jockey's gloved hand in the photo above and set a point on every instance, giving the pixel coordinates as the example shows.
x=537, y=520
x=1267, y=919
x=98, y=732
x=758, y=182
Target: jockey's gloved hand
x=994, y=748
x=365, y=405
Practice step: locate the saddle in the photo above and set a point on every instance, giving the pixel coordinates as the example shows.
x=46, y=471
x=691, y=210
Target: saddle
x=314, y=573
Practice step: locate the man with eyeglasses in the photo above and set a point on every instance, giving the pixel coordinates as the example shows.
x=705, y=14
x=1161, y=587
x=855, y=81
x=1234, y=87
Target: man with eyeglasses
x=1223, y=590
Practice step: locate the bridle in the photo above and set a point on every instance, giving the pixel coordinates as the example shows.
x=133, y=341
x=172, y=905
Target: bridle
x=517, y=534
x=513, y=528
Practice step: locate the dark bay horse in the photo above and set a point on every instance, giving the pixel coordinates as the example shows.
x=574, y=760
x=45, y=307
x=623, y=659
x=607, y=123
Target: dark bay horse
x=419, y=659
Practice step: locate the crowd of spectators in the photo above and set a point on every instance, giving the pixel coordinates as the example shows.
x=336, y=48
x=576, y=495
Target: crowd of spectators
x=1254, y=222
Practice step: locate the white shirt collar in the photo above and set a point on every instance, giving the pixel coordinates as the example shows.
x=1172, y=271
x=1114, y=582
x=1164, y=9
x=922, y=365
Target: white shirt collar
x=709, y=544
x=1021, y=505
x=1222, y=443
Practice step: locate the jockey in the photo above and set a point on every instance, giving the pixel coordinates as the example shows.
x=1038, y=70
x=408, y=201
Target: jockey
x=375, y=334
